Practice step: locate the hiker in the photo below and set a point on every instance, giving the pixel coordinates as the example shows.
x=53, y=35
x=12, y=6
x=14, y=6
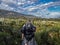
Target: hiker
x=28, y=30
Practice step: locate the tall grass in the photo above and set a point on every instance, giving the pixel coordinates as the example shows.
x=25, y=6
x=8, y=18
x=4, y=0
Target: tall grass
x=47, y=32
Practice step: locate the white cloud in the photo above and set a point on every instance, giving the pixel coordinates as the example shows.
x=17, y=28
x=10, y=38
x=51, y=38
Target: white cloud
x=51, y=4
x=54, y=14
x=19, y=3
x=9, y=1
x=41, y=8
x=31, y=9
x=24, y=2
x=48, y=3
x=5, y=6
x=51, y=15
x=30, y=2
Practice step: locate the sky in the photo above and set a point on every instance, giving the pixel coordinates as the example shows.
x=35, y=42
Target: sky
x=39, y=8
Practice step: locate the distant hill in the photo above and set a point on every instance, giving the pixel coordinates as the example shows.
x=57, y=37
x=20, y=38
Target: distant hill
x=5, y=13
x=12, y=14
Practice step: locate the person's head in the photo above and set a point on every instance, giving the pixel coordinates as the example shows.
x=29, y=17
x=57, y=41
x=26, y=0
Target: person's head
x=29, y=21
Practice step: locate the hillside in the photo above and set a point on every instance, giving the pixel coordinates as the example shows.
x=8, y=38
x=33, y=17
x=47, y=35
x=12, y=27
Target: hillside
x=12, y=14
x=5, y=13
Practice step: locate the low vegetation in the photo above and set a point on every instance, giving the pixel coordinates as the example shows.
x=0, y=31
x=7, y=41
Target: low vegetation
x=47, y=31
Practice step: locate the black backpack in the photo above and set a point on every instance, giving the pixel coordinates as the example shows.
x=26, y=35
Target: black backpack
x=29, y=32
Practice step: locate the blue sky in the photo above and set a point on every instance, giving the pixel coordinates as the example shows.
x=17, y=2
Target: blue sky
x=40, y=8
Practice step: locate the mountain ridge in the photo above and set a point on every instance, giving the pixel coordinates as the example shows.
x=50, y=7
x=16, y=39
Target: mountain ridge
x=12, y=14
x=6, y=13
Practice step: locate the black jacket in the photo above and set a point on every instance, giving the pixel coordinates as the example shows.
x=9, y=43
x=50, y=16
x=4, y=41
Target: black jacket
x=28, y=31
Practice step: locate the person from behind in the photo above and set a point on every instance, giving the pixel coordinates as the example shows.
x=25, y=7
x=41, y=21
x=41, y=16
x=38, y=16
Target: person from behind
x=28, y=30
